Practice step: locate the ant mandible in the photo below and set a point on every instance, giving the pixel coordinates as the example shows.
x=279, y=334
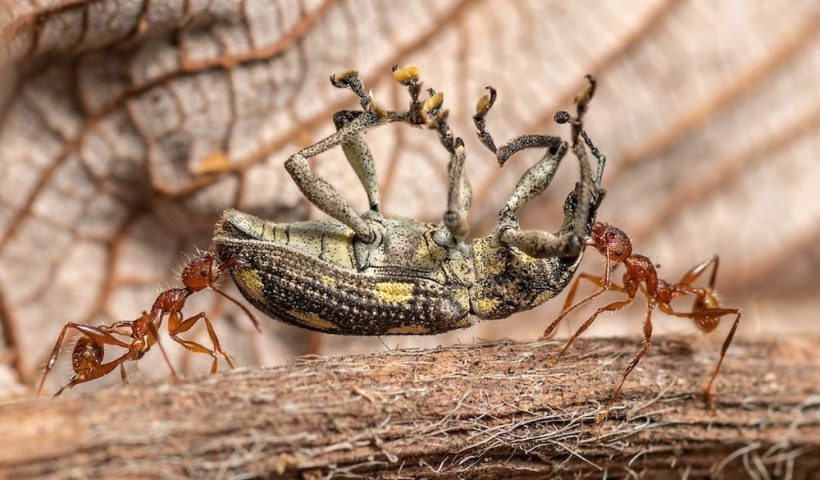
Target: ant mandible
x=203, y=271
x=641, y=275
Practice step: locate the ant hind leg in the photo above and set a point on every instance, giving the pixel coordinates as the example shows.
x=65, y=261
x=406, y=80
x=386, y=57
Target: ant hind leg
x=93, y=374
x=714, y=313
x=96, y=335
x=695, y=272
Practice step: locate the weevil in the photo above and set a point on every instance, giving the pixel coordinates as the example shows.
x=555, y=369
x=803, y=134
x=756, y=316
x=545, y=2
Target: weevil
x=369, y=274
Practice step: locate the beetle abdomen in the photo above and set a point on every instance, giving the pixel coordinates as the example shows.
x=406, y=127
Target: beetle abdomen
x=315, y=294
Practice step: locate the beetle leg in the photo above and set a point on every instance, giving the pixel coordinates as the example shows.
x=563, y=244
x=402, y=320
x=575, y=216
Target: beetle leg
x=350, y=79
x=459, y=196
x=537, y=243
x=360, y=159
x=599, y=171
x=532, y=184
x=321, y=193
x=517, y=144
x=459, y=193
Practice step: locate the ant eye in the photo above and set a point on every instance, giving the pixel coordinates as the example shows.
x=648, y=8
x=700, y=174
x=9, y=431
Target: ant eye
x=618, y=252
x=203, y=273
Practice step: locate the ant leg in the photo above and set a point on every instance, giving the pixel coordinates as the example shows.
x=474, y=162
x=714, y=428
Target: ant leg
x=95, y=373
x=605, y=284
x=647, y=340
x=175, y=327
x=714, y=312
x=612, y=307
x=599, y=281
x=153, y=337
x=726, y=342
x=96, y=334
x=689, y=277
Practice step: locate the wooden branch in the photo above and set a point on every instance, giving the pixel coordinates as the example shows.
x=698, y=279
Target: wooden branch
x=488, y=411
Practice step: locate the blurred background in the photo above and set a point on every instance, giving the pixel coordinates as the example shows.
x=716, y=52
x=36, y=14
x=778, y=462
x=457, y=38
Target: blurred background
x=127, y=127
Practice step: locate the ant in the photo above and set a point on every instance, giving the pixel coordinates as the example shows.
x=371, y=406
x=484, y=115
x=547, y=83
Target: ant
x=641, y=275
x=203, y=271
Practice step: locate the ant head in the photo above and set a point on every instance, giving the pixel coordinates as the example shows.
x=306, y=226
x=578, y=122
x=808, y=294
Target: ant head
x=202, y=271
x=606, y=238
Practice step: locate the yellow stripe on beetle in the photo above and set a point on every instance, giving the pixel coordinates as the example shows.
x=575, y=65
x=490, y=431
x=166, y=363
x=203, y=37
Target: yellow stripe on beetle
x=312, y=320
x=250, y=283
x=394, y=292
x=409, y=330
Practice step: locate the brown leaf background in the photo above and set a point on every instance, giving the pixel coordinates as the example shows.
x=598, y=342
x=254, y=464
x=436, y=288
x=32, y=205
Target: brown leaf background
x=126, y=127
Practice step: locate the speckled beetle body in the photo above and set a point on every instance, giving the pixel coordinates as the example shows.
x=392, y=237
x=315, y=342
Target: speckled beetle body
x=370, y=275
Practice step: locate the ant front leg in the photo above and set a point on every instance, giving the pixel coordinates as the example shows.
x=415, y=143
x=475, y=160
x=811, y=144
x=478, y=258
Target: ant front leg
x=177, y=326
x=612, y=307
x=604, y=283
x=92, y=344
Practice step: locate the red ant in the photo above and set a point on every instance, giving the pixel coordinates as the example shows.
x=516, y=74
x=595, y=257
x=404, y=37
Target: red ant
x=641, y=275
x=87, y=357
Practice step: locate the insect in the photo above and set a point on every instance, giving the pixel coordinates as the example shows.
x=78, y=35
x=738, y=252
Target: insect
x=640, y=275
x=369, y=274
x=202, y=272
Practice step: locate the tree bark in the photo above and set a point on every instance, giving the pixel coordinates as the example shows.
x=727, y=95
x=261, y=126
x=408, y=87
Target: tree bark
x=480, y=411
